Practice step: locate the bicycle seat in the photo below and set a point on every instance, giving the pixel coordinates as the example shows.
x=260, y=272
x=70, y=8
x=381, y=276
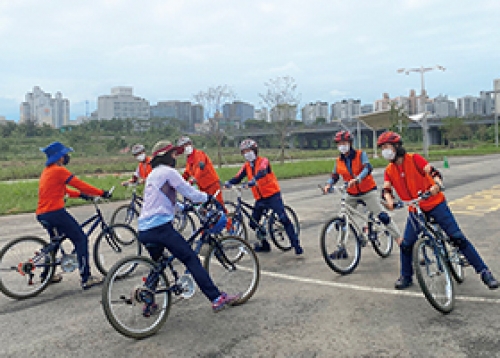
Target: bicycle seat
x=360, y=202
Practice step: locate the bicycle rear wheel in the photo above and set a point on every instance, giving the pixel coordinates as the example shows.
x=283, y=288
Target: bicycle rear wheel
x=117, y=241
x=125, y=214
x=433, y=275
x=129, y=305
x=383, y=243
x=277, y=230
x=234, y=267
x=340, y=246
x=454, y=260
x=25, y=271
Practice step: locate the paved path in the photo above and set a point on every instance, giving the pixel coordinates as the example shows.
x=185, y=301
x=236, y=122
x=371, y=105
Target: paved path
x=301, y=309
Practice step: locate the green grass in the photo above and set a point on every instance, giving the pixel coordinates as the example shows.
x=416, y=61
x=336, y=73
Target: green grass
x=22, y=196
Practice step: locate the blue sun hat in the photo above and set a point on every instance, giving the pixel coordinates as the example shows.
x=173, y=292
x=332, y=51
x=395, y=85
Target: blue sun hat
x=54, y=151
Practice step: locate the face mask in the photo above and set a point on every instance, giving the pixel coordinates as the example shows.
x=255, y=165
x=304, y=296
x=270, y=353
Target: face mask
x=141, y=157
x=249, y=156
x=188, y=149
x=343, y=148
x=388, y=154
x=66, y=159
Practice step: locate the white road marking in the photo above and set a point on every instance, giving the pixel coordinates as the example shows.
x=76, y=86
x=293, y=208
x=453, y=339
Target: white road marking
x=393, y=292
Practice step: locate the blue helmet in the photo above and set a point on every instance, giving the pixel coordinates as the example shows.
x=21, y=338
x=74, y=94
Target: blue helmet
x=54, y=151
x=220, y=224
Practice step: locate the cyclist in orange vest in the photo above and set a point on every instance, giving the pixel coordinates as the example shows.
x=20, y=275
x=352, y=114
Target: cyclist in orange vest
x=409, y=174
x=200, y=170
x=355, y=169
x=266, y=191
x=51, y=213
x=144, y=167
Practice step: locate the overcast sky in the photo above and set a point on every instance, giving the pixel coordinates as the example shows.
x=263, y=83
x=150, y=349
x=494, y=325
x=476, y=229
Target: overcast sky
x=171, y=49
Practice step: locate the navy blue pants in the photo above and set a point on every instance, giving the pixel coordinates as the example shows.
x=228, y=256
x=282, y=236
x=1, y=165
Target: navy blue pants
x=165, y=236
x=65, y=223
x=275, y=203
x=445, y=219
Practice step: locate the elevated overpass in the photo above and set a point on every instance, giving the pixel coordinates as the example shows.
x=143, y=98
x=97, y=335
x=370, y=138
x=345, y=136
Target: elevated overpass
x=321, y=136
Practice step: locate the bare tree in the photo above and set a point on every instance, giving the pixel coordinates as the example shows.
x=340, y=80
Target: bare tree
x=212, y=101
x=282, y=100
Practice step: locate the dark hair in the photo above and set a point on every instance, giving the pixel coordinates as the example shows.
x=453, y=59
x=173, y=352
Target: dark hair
x=165, y=159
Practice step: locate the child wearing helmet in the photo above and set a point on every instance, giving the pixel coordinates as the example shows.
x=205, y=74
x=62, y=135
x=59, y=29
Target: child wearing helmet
x=409, y=174
x=200, y=170
x=144, y=166
x=156, y=231
x=266, y=191
x=355, y=169
x=51, y=213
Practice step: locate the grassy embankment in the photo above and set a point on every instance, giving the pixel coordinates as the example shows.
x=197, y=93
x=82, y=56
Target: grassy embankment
x=21, y=196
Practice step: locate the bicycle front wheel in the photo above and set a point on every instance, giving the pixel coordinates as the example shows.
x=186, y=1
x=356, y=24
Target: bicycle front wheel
x=433, y=275
x=277, y=229
x=114, y=243
x=340, y=246
x=125, y=214
x=234, y=267
x=133, y=304
x=25, y=271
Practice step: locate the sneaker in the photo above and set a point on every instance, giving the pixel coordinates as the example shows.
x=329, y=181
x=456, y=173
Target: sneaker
x=224, y=300
x=263, y=246
x=403, y=282
x=298, y=250
x=149, y=309
x=340, y=253
x=91, y=282
x=489, y=280
x=56, y=278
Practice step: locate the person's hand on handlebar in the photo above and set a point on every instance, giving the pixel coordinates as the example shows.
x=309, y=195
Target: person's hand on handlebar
x=328, y=188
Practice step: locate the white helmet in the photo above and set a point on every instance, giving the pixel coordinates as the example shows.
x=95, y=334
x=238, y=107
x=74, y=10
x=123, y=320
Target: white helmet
x=137, y=148
x=183, y=141
x=248, y=144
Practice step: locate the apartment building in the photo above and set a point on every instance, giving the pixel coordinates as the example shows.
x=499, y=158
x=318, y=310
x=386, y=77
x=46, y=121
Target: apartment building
x=312, y=111
x=40, y=108
x=122, y=104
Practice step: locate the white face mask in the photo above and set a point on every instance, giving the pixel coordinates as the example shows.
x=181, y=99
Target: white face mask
x=141, y=157
x=343, y=148
x=188, y=149
x=388, y=154
x=249, y=156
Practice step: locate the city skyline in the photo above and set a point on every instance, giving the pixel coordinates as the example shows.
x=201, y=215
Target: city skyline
x=334, y=50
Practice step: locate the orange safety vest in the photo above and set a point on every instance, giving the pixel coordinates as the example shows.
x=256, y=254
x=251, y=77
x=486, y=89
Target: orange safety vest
x=410, y=181
x=367, y=184
x=204, y=178
x=145, y=168
x=267, y=185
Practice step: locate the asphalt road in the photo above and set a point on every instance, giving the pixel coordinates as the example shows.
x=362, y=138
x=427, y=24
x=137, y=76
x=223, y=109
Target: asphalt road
x=301, y=308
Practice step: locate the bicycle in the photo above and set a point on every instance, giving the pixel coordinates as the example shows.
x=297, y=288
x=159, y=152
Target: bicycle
x=342, y=237
x=28, y=263
x=275, y=228
x=129, y=213
x=230, y=261
x=434, y=258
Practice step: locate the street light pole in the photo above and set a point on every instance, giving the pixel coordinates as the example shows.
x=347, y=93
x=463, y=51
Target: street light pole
x=422, y=70
x=496, y=91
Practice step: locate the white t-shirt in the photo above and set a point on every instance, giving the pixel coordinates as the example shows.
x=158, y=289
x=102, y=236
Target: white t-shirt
x=160, y=193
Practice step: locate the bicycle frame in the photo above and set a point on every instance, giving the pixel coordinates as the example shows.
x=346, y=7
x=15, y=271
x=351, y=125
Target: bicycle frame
x=350, y=214
x=242, y=206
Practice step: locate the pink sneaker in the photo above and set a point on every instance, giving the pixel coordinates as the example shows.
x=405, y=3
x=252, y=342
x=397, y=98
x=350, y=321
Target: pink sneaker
x=223, y=300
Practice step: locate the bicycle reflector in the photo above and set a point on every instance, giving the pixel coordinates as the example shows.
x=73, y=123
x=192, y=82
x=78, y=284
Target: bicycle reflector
x=220, y=221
